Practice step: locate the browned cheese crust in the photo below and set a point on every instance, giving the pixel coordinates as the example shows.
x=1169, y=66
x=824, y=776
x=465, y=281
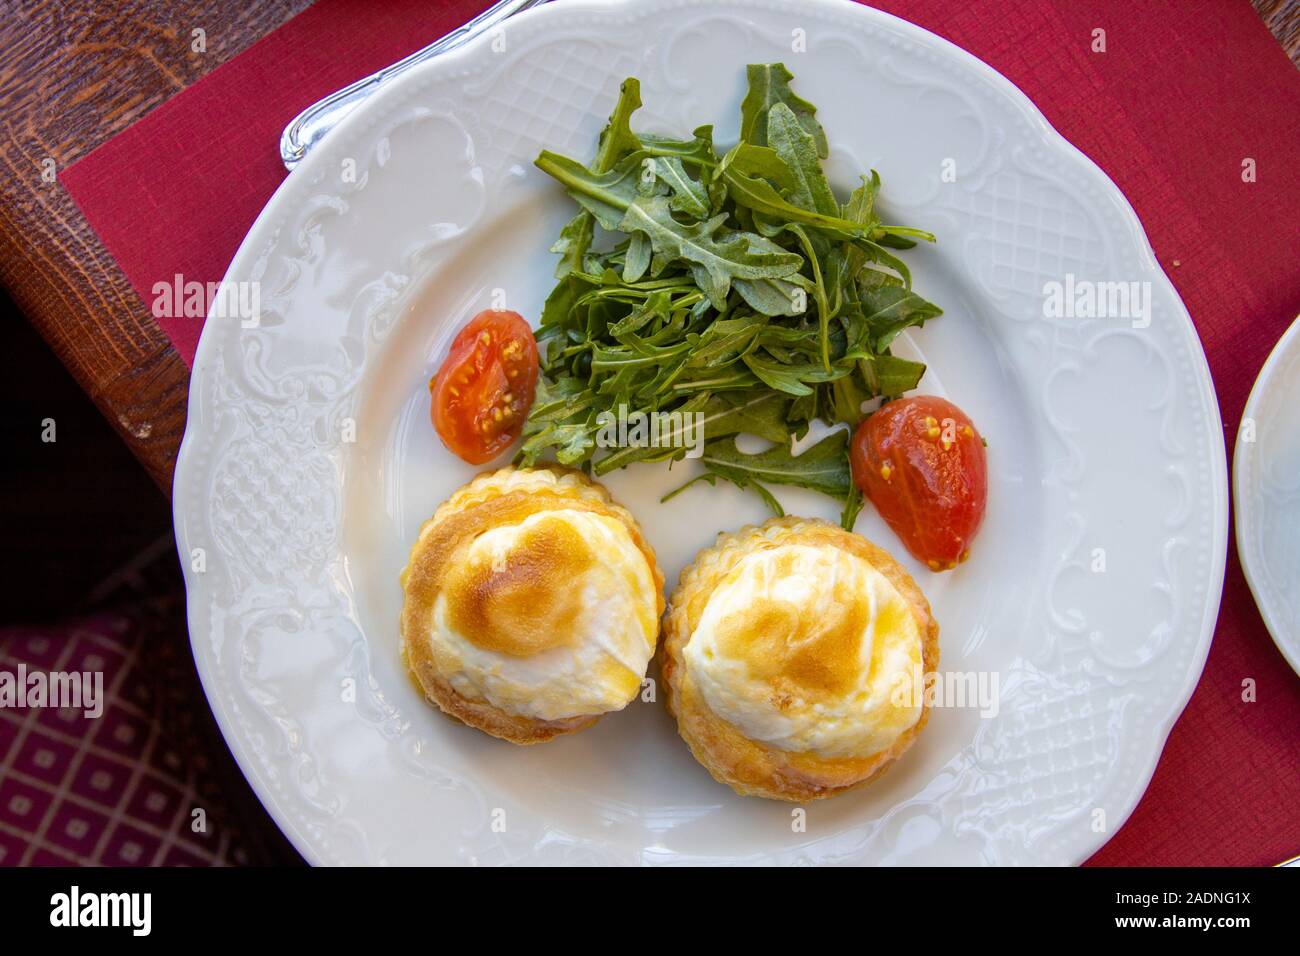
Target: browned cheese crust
x=487, y=502
x=747, y=766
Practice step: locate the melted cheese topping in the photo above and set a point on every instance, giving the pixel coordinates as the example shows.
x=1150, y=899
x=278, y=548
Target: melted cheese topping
x=549, y=618
x=809, y=649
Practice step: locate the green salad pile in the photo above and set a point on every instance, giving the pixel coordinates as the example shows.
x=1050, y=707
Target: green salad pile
x=736, y=286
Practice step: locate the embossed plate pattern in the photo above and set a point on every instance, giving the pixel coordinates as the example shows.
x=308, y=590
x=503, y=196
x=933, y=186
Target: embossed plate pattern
x=309, y=462
x=1266, y=493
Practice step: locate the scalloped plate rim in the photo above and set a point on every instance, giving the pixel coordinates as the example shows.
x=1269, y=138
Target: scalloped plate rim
x=1288, y=644
x=1051, y=139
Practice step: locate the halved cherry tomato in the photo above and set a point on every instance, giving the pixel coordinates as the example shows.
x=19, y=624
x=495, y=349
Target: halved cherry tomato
x=484, y=390
x=922, y=464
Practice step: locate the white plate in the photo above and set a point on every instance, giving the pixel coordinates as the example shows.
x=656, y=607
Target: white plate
x=1105, y=444
x=1266, y=493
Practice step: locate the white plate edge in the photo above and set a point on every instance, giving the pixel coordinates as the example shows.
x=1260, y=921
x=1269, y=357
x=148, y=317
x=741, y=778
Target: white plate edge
x=1240, y=458
x=1051, y=139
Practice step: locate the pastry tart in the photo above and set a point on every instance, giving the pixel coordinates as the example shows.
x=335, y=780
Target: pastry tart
x=794, y=657
x=532, y=604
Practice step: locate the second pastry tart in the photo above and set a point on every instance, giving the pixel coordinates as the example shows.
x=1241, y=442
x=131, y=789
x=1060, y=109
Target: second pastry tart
x=532, y=604
x=792, y=657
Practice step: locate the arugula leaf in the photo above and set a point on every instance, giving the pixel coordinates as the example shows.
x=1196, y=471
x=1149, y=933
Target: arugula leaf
x=819, y=293
x=824, y=467
x=715, y=256
x=852, y=508
x=760, y=162
x=723, y=341
x=891, y=376
x=777, y=375
x=736, y=288
x=616, y=140
x=711, y=478
x=605, y=195
x=689, y=195
x=774, y=296
x=760, y=196
x=846, y=398
x=560, y=303
x=861, y=206
x=797, y=149
x=575, y=240
x=759, y=413
x=890, y=309
x=697, y=151
x=769, y=84
x=636, y=260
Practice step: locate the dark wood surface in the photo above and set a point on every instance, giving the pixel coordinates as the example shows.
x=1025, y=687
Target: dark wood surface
x=73, y=75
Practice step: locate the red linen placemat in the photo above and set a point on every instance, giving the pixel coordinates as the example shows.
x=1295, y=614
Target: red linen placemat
x=1184, y=93
x=177, y=192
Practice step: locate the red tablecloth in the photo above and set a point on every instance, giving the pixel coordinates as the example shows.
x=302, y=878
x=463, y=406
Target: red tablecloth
x=1185, y=91
x=137, y=776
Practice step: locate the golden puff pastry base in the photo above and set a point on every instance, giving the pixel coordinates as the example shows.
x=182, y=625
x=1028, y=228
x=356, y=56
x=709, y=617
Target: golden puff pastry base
x=747, y=766
x=496, y=498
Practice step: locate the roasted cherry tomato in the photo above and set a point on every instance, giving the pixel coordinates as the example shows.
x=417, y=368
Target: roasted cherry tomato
x=922, y=464
x=484, y=390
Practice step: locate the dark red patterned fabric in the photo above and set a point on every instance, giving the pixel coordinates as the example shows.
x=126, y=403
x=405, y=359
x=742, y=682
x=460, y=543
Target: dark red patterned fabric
x=149, y=781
